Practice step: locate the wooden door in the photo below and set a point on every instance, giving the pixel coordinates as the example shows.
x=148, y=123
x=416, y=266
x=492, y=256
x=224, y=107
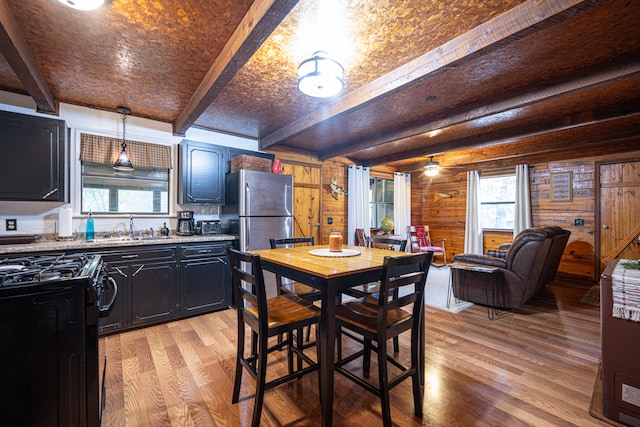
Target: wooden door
x=619, y=211
x=306, y=198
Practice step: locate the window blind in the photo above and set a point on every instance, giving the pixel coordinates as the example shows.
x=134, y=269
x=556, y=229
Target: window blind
x=105, y=150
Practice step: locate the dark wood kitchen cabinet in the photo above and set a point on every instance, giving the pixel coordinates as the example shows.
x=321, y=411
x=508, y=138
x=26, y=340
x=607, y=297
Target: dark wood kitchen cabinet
x=33, y=158
x=147, y=286
x=204, y=277
x=202, y=172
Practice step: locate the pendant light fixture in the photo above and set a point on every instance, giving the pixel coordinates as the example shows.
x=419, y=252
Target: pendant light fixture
x=320, y=76
x=432, y=168
x=123, y=163
x=83, y=4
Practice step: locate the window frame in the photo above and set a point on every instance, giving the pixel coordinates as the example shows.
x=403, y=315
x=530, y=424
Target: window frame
x=494, y=175
x=374, y=204
x=125, y=177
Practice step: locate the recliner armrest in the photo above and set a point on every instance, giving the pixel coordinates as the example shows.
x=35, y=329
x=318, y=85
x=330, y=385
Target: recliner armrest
x=481, y=259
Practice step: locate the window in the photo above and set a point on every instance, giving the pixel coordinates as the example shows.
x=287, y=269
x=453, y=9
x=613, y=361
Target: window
x=497, y=199
x=381, y=200
x=105, y=190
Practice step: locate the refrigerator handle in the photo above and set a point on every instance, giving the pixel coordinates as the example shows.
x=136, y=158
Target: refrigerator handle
x=247, y=240
x=247, y=197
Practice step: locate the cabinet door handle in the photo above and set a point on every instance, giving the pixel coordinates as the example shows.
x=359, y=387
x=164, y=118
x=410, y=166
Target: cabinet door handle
x=49, y=193
x=204, y=251
x=193, y=199
x=138, y=270
x=120, y=272
x=129, y=256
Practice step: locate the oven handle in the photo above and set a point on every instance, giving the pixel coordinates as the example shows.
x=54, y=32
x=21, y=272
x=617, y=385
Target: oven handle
x=106, y=309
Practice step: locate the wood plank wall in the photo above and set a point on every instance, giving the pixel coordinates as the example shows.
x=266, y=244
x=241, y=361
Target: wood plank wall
x=329, y=207
x=440, y=202
x=443, y=209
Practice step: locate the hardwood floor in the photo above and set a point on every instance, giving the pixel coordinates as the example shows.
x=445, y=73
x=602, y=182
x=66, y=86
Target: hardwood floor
x=533, y=366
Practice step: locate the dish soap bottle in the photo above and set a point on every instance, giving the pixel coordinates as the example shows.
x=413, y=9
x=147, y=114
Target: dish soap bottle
x=89, y=232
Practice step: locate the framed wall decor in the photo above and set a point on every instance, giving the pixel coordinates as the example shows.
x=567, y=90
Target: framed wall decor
x=561, y=187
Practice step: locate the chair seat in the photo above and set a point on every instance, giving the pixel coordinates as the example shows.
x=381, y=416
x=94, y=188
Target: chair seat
x=286, y=310
x=364, y=314
x=300, y=289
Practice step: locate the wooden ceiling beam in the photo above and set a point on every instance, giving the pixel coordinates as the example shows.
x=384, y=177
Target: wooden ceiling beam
x=601, y=77
x=16, y=51
x=262, y=18
x=588, y=149
x=512, y=134
x=527, y=18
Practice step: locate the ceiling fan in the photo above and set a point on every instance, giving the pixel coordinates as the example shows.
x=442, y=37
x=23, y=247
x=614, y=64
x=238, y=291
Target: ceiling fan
x=432, y=167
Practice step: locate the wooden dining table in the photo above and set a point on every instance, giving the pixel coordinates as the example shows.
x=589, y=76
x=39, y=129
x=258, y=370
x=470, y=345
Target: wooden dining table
x=330, y=275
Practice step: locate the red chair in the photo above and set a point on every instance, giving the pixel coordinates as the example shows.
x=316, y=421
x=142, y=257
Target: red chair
x=420, y=241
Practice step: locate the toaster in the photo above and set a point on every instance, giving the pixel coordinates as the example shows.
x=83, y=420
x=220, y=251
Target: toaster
x=208, y=226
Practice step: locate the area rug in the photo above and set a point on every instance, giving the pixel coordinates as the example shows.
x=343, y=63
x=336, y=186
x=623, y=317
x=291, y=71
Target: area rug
x=592, y=296
x=436, y=291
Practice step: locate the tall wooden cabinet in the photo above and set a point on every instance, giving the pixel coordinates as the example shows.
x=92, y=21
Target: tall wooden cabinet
x=33, y=158
x=202, y=171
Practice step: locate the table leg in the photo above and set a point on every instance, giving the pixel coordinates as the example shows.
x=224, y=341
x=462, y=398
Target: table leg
x=327, y=337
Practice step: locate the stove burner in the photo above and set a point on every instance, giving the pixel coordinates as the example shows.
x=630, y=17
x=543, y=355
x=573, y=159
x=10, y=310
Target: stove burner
x=25, y=270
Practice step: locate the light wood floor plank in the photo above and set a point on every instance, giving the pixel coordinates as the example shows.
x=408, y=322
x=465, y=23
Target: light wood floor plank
x=534, y=366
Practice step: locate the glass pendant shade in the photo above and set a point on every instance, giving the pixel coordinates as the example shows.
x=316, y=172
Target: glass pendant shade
x=83, y=4
x=123, y=163
x=320, y=76
x=432, y=168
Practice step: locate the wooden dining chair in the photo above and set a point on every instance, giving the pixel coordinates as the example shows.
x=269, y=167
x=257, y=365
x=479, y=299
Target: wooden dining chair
x=386, y=320
x=419, y=237
x=370, y=291
x=282, y=314
x=286, y=285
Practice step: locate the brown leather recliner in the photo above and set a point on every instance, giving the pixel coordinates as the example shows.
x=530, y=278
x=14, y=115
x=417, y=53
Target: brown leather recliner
x=531, y=261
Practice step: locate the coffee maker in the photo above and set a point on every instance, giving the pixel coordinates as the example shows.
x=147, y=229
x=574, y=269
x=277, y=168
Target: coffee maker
x=186, y=226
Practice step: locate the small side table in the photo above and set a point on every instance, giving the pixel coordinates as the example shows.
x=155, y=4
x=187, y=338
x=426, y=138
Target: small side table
x=490, y=273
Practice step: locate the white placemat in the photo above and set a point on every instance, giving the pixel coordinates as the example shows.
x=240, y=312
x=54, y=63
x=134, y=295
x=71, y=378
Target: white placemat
x=327, y=252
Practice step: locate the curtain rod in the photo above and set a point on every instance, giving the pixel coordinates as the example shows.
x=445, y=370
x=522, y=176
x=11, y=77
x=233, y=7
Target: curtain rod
x=388, y=173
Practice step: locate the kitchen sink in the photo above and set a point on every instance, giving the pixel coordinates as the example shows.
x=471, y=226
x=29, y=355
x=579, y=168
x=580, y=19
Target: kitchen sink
x=139, y=238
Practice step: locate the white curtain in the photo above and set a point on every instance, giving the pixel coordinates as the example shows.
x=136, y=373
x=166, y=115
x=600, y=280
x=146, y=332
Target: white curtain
x=401, y=202
x=358, y=205
x=522, y=216
x=473, y=227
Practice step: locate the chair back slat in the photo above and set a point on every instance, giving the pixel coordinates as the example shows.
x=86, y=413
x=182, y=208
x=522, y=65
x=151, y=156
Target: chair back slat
x=290, y=242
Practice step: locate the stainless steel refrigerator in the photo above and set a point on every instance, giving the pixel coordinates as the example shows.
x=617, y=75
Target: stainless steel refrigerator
x=258, y=206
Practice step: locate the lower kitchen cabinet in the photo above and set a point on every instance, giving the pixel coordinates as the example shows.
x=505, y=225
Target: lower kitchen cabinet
x=153, y=289
x=204, y=278
x=166, y=282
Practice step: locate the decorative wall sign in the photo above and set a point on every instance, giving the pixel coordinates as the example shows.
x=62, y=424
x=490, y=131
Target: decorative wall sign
x=561, y=187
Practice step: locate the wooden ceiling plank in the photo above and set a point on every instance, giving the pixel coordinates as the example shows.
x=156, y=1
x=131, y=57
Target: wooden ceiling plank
x=16, y=51
x=259, y=22
x=599, y=78
x=526, y=18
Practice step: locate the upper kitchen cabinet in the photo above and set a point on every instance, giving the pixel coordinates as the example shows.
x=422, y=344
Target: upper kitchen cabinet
x=33, y=158
x=202, y=171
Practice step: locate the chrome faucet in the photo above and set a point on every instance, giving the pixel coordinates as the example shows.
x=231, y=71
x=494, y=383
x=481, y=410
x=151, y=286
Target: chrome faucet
x=131, y=226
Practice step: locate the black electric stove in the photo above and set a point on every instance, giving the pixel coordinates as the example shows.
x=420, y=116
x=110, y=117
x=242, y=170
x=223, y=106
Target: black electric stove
x=49, y=311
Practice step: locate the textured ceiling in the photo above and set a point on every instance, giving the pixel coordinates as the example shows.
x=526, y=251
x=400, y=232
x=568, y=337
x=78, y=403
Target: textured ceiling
x=440, y=78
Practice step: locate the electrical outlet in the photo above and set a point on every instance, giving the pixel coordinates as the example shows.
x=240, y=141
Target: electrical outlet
x=12, y=224
x=578, y=222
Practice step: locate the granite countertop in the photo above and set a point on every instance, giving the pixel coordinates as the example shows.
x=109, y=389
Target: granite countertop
x=110, y=242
